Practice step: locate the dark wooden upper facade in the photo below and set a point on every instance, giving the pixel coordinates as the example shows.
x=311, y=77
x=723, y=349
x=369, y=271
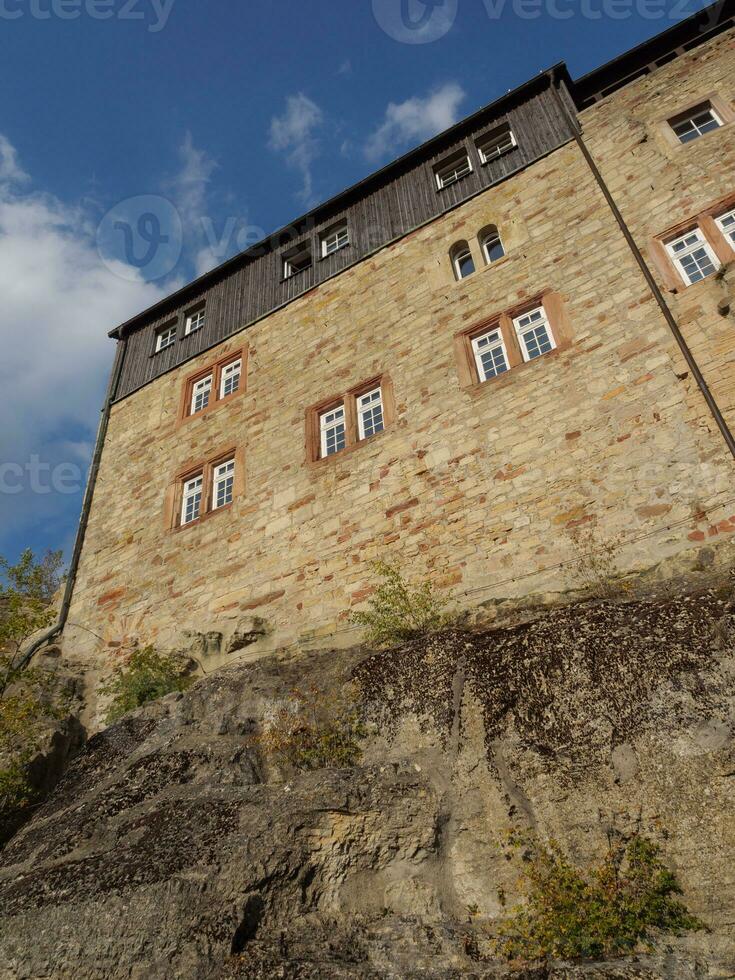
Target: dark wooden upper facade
x=386, y=206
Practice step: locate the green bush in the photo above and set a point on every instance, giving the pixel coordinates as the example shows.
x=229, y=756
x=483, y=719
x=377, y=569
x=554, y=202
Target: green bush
x=30, y=698
x=146, y=676
x=399, y=613
x=314, y=730
x=619, y=904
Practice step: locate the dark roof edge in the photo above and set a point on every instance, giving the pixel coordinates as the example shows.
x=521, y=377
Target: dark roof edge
x=378, y=176
x=702, y=24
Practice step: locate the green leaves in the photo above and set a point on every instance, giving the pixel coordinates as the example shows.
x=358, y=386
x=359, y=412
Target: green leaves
x=146, y=676
x=608, y=912
x=399, y=613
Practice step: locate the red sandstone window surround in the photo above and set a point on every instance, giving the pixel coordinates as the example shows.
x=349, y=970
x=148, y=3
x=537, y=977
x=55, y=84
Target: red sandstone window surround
x=707, y=237
x=339, y=424
x=209, y=387
x=506, y=342
x=203, y=488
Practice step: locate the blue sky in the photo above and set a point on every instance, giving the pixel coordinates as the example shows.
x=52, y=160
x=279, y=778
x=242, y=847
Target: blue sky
x=234, y=118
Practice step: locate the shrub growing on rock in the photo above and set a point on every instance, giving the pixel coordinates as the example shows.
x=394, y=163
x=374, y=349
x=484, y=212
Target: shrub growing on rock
x=398, y=612
x=147, y=676
x=620, y=903
x=312, y=729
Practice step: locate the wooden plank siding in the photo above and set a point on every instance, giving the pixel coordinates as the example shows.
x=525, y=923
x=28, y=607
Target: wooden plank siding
x=400, y=199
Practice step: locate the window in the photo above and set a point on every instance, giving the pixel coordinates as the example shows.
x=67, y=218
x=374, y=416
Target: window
x=692, y=256
x=224, y=481
x=370, y=413
x=726, y=224
x=344, y=421
x=334, y=239
x=205, y=489
x=200, y=393
x=490, y=355
x=332, y=429
x=508, y=342
x=494, y=144
x=165, y=337
x=534, y=333
x=297, y=260
x=697, y=121
x=191, y=501
x=194, y=321
x=462, y=261
x=492, y=246
x=230, y=378
x=450, y=171
x=205, y=389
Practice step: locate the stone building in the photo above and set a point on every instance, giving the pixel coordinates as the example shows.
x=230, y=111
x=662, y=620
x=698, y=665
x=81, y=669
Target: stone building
x=519, y=329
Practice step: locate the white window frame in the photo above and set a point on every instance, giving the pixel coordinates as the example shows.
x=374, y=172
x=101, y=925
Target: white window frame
x=481, y=373
x=195, y=321
x=329, y=421
x=450, y=171
x=520, y=330
x=193, y=488
x=201, y=389
x=700, y=243
x=289, y=259
x=690, y=116
x=228, y=371
x=495, y=236
x=334, y=239
x=728, y=233
x=367, y=403
x=223, y=475
x=496, y=144
x=169, y=333
x=460, y=254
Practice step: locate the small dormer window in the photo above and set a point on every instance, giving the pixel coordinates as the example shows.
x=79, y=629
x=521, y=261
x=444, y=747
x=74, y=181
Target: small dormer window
x=334, y=239
x=453, y=169
x=296, y=261
x=165, y=337
x=695, y=122
x=194, y=321
x=495, y=143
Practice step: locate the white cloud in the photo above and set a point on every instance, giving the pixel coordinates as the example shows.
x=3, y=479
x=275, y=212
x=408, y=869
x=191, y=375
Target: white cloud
x=189, y=188
x=294, y=133
x=59, y=301
x=345, y=68
x=415, y=120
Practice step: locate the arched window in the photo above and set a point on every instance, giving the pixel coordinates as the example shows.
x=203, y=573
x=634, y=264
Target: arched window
x=491, y=244
x=462, y=261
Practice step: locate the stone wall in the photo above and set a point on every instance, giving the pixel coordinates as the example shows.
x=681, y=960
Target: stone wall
x=479, y=487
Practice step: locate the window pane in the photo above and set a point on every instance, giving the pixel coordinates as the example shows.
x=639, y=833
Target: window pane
x=370, y=413
x=230, y=378
x=332, y=428
x=702, y=120
x=493, y=248
x=534, y=333
x=465, y=265
x=224, y=480
x=192, y=499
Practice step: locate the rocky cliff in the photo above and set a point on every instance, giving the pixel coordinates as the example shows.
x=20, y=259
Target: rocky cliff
x=173, y=848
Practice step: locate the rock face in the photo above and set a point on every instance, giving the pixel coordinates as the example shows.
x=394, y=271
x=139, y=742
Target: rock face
x=173, y=848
